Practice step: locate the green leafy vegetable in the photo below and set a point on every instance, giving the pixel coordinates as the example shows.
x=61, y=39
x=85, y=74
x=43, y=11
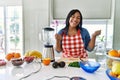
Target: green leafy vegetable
x=74, y=64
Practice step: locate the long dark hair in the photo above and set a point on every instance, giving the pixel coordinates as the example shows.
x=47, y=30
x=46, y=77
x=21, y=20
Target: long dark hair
x=72, y=12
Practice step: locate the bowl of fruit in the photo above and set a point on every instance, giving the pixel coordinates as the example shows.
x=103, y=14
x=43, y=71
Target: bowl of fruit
x=28, y=59
x=113, y=64
x=17, y=61
x=2, y=62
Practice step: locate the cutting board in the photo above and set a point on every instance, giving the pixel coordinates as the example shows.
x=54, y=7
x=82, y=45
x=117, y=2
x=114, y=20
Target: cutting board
x=69, y=60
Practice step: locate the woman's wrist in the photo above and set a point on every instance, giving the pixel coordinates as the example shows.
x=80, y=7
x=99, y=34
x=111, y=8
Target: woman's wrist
x=93, y=35
x=58, y=41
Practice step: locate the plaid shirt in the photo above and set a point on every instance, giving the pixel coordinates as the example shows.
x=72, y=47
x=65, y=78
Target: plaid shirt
x=73, y=46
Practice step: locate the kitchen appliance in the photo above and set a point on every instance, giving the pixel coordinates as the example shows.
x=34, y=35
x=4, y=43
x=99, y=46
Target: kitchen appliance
x=48, y=51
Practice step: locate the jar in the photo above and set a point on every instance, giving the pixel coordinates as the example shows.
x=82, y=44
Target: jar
x=100, y=53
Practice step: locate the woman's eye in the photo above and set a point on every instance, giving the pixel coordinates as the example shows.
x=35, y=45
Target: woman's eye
x=78, y=17
x=73, y=16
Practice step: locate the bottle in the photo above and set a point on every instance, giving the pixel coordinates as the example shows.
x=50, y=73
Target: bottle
x=100, y=52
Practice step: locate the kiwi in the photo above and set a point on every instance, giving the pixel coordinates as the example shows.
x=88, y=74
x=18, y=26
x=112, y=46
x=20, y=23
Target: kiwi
x=55, y=65
x=61, y=64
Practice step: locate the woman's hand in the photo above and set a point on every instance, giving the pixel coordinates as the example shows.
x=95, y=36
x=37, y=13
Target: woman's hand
x=58, y=37
x=92, y=41
x=96, y=33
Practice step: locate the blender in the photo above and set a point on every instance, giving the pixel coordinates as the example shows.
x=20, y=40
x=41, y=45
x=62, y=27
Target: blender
x=48, y=51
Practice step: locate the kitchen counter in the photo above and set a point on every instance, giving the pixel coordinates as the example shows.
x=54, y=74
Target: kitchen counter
x=10, y=72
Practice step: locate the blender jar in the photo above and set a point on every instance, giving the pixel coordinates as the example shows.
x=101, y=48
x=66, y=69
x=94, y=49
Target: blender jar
x=47, y=35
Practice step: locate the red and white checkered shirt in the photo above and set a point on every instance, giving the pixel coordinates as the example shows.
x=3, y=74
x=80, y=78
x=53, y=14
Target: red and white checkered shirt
x=73, y=46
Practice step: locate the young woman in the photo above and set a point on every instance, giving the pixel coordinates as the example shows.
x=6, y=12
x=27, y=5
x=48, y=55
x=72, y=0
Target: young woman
x=73, y=40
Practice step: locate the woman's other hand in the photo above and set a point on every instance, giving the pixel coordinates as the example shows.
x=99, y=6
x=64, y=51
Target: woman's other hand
x=96, y=33
x=58, y=37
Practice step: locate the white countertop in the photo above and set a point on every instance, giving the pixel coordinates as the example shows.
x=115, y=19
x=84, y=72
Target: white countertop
x=10, y=72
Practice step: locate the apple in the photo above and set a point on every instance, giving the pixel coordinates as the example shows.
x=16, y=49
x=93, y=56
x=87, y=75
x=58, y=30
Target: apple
x=116, y=68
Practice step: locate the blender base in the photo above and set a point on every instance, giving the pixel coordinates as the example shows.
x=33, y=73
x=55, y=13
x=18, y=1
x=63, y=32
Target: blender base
x=52, y=60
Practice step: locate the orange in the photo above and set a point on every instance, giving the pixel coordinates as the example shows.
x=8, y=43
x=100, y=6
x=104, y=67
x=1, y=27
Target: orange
x=46, y=61
x=12, y=53
x=119, y=53
x=9, y=56
x=112, y=74
x=17, y=55
x=113, y=53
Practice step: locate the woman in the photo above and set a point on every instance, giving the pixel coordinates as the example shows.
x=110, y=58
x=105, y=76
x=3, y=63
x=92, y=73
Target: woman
x=73, y=40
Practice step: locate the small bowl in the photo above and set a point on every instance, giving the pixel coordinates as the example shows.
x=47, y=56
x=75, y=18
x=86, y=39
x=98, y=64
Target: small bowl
x=28, y=59
x=89, y=66
x=2, y=62
x=111, y=77
x=17, y=61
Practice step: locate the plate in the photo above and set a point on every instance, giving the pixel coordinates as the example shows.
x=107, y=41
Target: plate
x=114, y=58
x=111, y=77
x=89, y=66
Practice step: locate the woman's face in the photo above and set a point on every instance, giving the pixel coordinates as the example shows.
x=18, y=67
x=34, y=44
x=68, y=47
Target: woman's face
x=74, y=20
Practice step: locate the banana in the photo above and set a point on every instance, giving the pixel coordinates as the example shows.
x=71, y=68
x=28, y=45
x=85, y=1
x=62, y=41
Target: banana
x=35, y=53
x=27, y=53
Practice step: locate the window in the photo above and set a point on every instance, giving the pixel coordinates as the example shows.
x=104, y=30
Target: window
x=106, y=31
x=11, y=35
